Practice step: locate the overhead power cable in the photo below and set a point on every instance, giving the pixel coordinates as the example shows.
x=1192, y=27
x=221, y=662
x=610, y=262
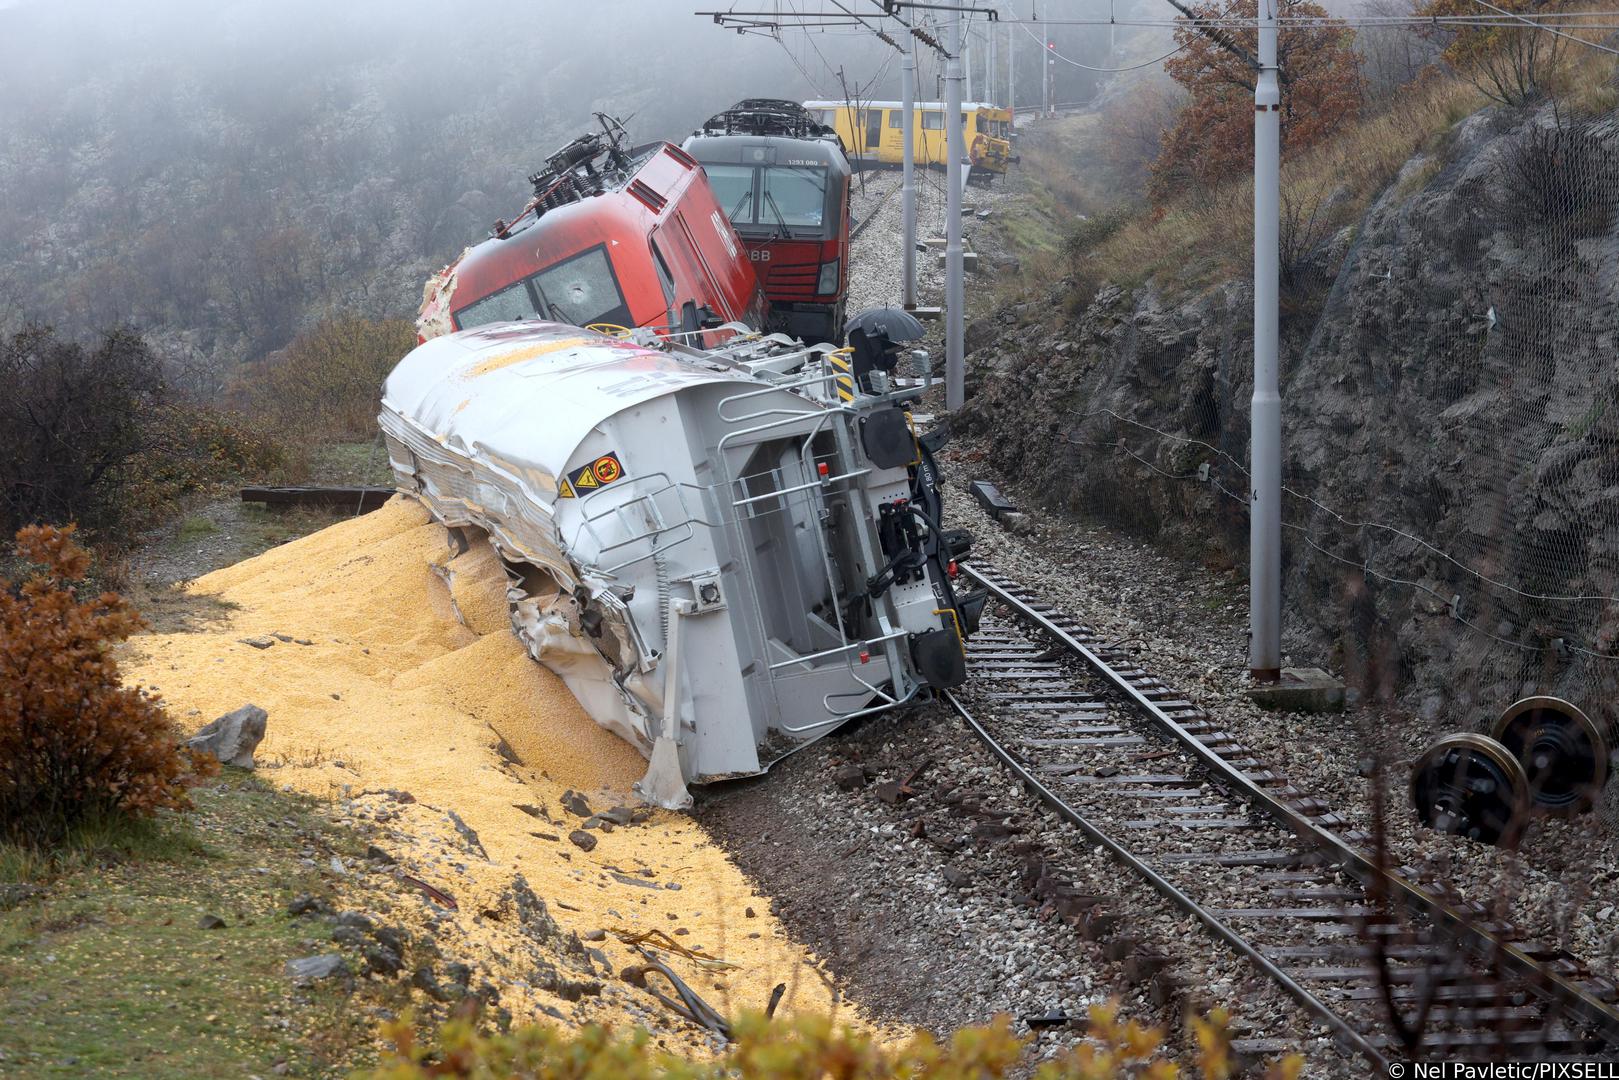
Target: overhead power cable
x=1108, y=71
x=1550, y=29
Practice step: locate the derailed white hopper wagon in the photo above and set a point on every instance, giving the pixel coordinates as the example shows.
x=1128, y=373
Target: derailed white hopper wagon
x=724, y=553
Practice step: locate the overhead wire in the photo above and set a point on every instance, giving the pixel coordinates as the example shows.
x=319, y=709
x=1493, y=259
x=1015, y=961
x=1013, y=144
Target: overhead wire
x=1109, y=71
x=1551, y=29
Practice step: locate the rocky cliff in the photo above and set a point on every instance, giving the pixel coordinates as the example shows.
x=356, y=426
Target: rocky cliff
x=1451, y=440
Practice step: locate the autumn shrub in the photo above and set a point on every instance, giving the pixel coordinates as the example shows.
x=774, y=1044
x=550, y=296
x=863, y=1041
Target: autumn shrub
x=1560, y=178
x=326, y=385
x=1212, y=139
x=1510, y=63
x=93, y=435
x=75, y=742
x=803, y=1048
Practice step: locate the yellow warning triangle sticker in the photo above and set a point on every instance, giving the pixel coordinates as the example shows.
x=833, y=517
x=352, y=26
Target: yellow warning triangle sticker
x=587, y=479
x=566, y=490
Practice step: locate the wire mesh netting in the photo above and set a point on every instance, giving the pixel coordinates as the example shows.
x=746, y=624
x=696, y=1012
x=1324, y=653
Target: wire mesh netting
x=1451, y=412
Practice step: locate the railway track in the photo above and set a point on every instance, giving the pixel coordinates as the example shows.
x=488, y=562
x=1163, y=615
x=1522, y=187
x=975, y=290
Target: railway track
x=1266, y=868
x=871, y=215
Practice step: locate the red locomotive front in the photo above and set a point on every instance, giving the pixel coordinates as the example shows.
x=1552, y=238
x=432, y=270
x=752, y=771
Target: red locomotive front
x=612, y=236
x=783, y=180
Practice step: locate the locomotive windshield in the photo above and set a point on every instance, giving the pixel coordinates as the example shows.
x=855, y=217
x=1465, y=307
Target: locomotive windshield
x=772, y=196
x=579, y=290
x=796, y=194
x=733, y=189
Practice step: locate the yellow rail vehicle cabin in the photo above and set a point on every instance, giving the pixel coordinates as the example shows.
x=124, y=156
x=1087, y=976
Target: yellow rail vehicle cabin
x=873, y=133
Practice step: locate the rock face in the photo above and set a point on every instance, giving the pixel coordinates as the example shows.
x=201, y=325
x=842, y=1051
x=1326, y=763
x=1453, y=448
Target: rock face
x=1451, y=422
x=233, y=737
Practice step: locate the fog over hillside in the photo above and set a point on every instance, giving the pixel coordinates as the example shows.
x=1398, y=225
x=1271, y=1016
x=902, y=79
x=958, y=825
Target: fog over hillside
x=221, y=174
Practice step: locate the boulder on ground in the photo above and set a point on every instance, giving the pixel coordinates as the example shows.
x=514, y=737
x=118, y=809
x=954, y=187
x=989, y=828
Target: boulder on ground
x=317, y=967
x=233, y=737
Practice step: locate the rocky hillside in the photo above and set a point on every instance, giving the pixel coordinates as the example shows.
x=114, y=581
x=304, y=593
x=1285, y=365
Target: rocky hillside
x=1451, y=432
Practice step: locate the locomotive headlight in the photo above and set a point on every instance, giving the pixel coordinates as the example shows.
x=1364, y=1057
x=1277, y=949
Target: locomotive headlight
x=828, y=281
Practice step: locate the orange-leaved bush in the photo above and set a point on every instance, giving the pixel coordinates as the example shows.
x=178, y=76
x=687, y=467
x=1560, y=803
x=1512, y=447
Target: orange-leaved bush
x=803, y=1047
x=1212, y=140
x=74, y=740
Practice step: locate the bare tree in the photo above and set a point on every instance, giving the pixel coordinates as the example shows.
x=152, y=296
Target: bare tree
x=1393, y=56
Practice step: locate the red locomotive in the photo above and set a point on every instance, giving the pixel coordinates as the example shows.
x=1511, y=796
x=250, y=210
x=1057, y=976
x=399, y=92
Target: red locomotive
x=782, y=178
x=612, y=236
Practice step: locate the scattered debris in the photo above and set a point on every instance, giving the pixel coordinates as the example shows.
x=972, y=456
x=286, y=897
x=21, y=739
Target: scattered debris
x=690, y=1005
x=850, y=777
x=890, y=791
x=1052, y=1017
x=304, y=904
x=438, y=896
x=618, y=815
x=467, y=833
x=211, y=922
x=657, y=939
x=643, y=883
x=575, y=804
x=258, y=642
x=582, y=840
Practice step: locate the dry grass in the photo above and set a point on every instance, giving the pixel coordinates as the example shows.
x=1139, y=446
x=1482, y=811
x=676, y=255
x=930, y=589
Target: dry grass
x=1206, y=237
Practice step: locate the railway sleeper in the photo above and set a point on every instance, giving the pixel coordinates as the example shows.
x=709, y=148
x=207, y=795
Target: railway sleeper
x=1484, y=993
x=1555, y=1038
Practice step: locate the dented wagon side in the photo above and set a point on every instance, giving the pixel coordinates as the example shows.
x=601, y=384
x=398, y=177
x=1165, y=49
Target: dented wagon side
x=719, y=552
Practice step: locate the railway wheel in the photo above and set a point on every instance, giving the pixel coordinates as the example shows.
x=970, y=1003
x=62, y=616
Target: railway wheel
x=1473, y=786
x=1562, y=751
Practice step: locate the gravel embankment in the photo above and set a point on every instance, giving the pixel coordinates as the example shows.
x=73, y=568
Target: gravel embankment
x=1190, y=626
x=927, y=919
x=931, y=912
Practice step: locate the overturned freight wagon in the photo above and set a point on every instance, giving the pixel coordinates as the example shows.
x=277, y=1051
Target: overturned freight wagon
x=724, y=553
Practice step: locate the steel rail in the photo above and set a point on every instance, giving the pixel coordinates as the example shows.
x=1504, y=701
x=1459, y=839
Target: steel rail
x=1219, y=929
x=1560, y=991
x=860, y=226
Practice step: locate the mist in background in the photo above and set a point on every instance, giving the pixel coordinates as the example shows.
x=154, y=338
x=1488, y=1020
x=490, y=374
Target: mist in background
x=222, y=175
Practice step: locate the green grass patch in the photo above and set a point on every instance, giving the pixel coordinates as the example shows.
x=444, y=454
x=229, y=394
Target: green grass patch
x=344, y=463
x=194, y=528
x=106, y=970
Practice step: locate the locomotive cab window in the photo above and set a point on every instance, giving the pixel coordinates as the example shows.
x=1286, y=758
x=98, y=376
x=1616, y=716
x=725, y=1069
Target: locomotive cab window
x=795, y=196
x=733, y=190
x=896, y=118
x=508, y=305
x=583, y=289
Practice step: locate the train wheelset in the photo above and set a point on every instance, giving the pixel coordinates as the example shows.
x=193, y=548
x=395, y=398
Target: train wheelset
x=1542, y=757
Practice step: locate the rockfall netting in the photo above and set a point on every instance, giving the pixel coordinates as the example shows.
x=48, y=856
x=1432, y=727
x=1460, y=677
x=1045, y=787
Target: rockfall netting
x=1451, y=422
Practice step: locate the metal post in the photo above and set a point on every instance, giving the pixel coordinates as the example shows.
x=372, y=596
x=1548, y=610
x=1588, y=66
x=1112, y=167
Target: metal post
x=955, y=372
x=1011, y=74
x=967, y=64
x=1265, y=464
x=1045, y=64
x=990, y=93
x=907, y=191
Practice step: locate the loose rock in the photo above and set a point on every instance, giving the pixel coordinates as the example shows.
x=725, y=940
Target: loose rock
x=233, y=737
x=317, y=967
